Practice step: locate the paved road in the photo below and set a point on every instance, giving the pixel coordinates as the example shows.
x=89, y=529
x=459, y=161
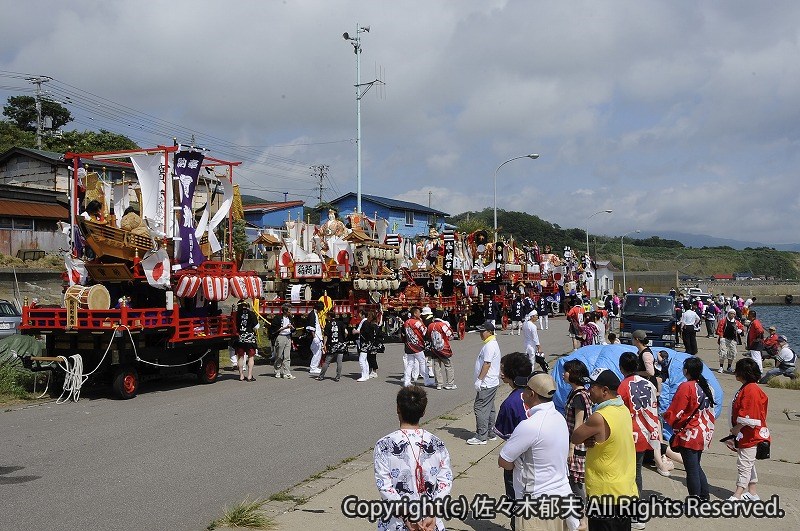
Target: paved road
x=176, y=455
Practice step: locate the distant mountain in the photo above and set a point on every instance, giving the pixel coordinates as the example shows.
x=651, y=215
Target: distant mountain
x=703, y=240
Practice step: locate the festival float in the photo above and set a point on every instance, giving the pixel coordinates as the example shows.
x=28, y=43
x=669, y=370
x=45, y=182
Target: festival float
x=145, y=272
x=150, y=259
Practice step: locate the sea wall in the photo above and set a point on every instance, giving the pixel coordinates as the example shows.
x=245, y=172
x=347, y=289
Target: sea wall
x=767, y=291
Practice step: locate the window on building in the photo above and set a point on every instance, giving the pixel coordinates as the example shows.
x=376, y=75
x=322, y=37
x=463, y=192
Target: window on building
x=409, y=218
x=23, y=224
x=6, y=223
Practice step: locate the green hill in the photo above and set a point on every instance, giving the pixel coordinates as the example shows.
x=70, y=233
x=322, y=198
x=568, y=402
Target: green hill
x=650, y=254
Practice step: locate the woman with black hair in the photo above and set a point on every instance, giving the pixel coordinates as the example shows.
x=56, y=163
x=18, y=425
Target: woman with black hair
x=94, y=211
x=512, y=410
x=749, y=421
x=691, y=416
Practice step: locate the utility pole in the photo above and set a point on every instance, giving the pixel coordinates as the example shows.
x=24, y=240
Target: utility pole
x=320, y=171
x=38, y=80
x=429, y=198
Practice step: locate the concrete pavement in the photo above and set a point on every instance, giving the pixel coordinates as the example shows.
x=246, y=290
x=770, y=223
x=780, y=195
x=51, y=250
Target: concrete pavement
x=475, y=467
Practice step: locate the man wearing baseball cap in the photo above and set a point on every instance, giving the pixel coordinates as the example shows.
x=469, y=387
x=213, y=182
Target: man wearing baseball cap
x=487, y=379
x=771, y=342
x=537, y=450
x=785, y=362
x=611, y=454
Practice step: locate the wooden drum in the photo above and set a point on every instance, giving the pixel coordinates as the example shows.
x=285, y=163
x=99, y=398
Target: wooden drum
x=89, y=297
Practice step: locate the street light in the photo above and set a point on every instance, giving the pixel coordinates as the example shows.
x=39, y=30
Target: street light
x=356, y=42
x=587, y=227
x=622, y=244
x=531, y=156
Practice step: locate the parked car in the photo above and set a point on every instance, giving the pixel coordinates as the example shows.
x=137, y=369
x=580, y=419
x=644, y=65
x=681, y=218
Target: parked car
x=10, y=318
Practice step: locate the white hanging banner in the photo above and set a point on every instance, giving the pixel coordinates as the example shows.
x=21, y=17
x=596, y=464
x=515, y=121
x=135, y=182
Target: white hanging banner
x=222, y=213
x=121, y=201
x=150, y=172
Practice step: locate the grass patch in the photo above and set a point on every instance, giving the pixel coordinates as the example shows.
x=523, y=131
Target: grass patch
x=281, y=496
x=16, y=382
x=347, y=460
x=284, y=496
x=246, y=514
x=784, y=383
x=448, y=417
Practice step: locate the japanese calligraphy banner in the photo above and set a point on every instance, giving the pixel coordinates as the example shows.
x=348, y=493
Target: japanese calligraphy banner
x=499, y=258
x=187, y=168
x=449, y=256
x=150, y=173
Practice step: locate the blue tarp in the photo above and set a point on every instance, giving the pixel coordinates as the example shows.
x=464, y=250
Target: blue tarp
x=607, y=356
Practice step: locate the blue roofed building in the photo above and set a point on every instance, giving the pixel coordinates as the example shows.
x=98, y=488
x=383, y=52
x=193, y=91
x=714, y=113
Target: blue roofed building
x=260, y=213
x=405, y=218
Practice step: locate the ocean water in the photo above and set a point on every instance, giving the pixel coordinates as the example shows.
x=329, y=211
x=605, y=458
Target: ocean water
x=785, y=318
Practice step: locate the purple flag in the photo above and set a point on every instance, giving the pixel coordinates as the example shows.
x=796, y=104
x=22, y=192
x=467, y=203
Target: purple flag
x=187, y=168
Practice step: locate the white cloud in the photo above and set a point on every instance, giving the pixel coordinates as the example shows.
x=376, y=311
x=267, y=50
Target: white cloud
x=655, y=108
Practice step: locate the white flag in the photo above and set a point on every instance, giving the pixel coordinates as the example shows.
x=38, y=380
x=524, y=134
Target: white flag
x=76, y=270
x=157, y=269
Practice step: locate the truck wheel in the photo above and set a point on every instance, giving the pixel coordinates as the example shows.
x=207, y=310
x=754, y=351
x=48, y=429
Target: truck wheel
x=209, y=369
x=126, y=382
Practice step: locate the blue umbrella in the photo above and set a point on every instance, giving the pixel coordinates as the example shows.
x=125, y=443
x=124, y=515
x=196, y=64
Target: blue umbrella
x=607, y=356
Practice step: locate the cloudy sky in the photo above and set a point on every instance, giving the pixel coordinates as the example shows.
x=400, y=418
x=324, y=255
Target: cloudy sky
x=680, y=115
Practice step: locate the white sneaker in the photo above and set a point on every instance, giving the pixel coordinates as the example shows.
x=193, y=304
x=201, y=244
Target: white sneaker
x=438, y=387
x=492, y=438
x=451, y=386
x=475, y=441
x=373, y=374
x=637, y=525
x=363, y=379
x=734, y=498
x=289, y=376
x=278, y=375
x=720, y=370
x=750, y=497
x=314, y=371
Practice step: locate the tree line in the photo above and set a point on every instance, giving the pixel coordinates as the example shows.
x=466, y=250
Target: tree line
x=19, y=129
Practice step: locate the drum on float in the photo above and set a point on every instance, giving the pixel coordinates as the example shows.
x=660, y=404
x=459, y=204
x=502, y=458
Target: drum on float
x=89, y=297
x=298, y=293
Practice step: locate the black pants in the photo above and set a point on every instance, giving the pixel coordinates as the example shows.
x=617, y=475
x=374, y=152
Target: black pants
x=690, y=339
x=372, y=361
x=508, y=481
